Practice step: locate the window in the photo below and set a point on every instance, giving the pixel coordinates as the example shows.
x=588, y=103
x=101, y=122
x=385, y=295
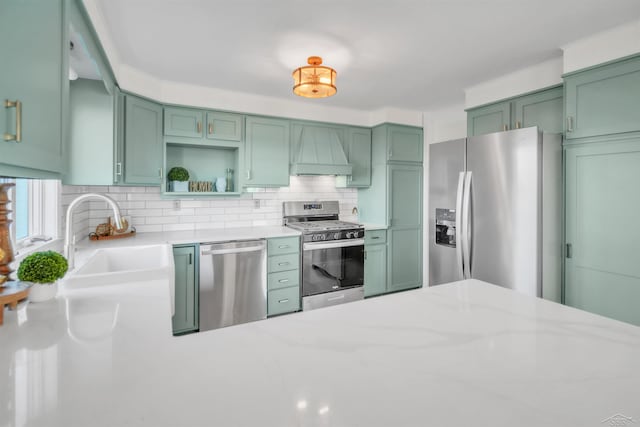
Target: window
x=35, y=211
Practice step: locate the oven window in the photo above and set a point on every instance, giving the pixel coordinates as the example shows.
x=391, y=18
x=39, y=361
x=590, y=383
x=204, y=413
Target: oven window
x=327, y=270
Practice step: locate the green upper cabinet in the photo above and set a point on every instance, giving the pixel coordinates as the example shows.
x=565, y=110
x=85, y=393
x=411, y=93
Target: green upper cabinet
x=92, y=108
x=542, y=109
x=489, y=119
x=267, y=152
x=603, y=100
x=404, y=268
x=34, y=80
x=404, y=143
x=602, y=273
x=142, y=152
x=225, y=126
x=184, y=122
x=186, y=316
x=358, y=151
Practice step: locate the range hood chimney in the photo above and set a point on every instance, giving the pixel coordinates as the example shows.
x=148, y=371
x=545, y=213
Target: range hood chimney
x=319, y=152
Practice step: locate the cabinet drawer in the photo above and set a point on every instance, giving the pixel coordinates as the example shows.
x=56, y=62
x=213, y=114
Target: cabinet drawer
x=284, y=262
x=283, y=245
x=283, y=279
x=373, y=237
x=283, y=300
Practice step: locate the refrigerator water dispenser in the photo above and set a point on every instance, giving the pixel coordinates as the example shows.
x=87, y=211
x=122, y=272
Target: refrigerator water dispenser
x=446, y=227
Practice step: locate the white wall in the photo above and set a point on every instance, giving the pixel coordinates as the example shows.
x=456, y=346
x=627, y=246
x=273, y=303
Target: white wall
x=148, y=211
x=602, y=47
x=545, y=74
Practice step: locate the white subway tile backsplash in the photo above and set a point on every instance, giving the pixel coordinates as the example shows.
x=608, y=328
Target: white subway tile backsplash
x=145, y=208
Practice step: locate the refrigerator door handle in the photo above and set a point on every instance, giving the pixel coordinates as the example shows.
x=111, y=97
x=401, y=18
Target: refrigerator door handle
x=466, y=225
x=459, y=226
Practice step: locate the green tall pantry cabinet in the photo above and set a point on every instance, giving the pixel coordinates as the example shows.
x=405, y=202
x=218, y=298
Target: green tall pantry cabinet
x=602, y=199
x=34, y=87
x=394, y=200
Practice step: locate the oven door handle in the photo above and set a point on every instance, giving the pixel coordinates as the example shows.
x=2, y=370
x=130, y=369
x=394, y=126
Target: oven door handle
x=333, y=244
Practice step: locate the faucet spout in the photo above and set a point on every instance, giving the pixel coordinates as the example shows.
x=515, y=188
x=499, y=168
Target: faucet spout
x=69, y=241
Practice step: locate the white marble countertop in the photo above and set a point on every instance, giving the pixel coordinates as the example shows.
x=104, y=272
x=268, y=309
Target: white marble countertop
x=463, y=354
x=192, y=236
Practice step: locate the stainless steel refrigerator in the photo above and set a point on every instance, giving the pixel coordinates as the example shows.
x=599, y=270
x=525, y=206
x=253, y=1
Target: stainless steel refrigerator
x=495, y=211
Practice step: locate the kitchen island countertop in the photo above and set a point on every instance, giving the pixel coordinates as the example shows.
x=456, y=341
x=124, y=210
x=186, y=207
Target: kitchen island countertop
x=462, y=354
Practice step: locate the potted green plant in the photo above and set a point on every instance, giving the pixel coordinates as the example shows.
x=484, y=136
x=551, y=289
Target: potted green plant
x=43, y=269
x=178, y=179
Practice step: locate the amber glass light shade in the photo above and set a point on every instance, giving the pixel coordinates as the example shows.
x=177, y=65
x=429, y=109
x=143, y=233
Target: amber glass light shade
x=314, y=80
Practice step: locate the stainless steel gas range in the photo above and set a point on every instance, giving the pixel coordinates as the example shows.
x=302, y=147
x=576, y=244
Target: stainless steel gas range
x=333, y=253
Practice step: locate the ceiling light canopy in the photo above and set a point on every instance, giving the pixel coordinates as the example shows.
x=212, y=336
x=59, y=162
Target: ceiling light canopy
x=314, y=80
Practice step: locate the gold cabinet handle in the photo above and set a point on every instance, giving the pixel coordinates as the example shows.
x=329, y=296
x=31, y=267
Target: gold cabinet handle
x=210, y=128
x=505, y=127
x=518, y=124
x=199, y=126
x=18, y=106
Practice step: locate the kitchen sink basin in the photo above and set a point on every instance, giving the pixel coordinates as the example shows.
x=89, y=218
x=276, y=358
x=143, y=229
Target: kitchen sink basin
x=121, y=265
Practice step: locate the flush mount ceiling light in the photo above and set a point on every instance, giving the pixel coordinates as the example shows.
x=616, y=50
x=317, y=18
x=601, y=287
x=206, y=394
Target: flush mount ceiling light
x=314, y=80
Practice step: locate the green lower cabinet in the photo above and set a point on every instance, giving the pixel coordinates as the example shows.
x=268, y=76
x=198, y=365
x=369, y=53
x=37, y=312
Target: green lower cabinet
x=404, y=264
x=186, y=317
x=602, y=272
x=375, y=269
x=283, y=275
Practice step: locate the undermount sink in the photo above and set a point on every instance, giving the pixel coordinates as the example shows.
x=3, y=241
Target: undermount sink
x=120, y=265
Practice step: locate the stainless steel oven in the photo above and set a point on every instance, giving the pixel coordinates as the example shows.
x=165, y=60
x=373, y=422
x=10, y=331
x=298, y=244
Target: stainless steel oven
x=332, y=253
x=332, y=272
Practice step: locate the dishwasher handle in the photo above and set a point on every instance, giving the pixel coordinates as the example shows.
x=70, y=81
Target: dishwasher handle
x=233, y=250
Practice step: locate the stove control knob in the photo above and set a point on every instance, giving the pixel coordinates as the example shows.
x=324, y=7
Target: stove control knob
x=350, y=234
x=336, y=236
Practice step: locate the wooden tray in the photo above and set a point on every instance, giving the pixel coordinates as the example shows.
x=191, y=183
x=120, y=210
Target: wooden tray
x=94, y=236
x=11, y=296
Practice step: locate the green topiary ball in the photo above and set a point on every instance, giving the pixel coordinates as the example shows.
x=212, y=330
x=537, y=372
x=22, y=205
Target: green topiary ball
x=43, y=267
x=178, y=174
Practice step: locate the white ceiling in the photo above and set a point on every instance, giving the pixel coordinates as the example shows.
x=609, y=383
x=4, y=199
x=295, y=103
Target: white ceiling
x=409, y=54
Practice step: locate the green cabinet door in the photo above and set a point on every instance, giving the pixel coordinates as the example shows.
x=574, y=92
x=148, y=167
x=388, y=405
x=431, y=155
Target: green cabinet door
x=267, y=152
x=358, y=150
x=34, y=71
x=375, y=269
x=186, y=122
x=186, y=316
x=224, y=126
x=603, y=100
x=142, y=142
x=404, y=265
x=489, y=119
x=542, y=109
x=404, y=143
x=602, y=272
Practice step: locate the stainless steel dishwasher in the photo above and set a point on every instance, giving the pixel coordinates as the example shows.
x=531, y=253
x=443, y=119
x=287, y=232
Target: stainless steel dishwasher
x=233, y=283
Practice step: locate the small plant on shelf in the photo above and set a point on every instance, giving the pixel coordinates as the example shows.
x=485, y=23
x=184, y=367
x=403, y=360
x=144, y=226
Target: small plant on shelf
x=43, y=269
x=179, y=179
